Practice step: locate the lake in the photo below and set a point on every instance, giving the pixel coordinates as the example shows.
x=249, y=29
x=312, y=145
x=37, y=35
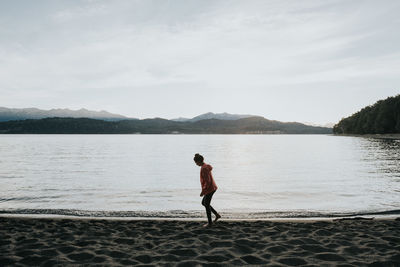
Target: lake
x=154, y=175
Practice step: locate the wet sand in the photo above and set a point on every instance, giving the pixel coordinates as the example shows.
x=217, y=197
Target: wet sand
x=56, y=241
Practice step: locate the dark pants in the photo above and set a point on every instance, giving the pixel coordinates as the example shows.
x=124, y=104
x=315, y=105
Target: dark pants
x=206, y=203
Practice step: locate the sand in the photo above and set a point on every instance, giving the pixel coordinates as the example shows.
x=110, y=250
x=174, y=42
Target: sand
x=54, y=241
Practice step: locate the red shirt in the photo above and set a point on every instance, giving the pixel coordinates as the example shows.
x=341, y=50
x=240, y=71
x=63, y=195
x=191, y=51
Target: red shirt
x=206, y=179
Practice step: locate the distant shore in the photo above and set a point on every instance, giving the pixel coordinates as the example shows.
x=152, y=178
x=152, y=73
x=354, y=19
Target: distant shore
x=378, y=136
x=253, y=125
x=48, y=242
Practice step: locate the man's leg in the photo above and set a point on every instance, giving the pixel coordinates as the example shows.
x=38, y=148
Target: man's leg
x=217, y=216
x=206, y=203
x=213, y=211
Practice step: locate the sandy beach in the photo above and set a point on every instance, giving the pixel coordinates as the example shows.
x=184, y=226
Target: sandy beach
x=61, y=241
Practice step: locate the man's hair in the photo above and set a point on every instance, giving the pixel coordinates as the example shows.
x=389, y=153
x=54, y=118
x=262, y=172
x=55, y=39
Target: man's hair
x=198, y=158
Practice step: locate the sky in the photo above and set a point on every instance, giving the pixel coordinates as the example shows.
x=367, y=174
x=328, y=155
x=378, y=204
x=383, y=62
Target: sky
x=307, y=61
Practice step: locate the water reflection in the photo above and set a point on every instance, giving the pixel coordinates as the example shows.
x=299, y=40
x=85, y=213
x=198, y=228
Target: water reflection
x=283, y=173
x=384, y=154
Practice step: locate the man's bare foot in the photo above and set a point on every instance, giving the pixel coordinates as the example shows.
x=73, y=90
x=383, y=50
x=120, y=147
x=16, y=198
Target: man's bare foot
x=217, y=217
x=207, y=225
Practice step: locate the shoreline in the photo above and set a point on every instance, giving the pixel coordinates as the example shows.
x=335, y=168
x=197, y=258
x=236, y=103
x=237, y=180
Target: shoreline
x=377, y=136
x=66, y=241
x=198, y=214
x=199, y=219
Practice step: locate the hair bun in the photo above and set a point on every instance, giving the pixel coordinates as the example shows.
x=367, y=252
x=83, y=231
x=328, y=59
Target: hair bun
x=198, y=158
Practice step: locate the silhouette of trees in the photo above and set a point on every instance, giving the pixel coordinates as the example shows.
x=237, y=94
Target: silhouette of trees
x=383, y=117
x=255, y=125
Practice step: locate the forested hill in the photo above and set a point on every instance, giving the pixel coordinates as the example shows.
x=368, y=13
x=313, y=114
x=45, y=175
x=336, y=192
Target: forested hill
x=381, y=118
x=252, y=125
x=11, y=114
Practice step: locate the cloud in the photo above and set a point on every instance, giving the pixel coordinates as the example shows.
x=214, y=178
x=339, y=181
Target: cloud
x=79, y=12
x=83, y=51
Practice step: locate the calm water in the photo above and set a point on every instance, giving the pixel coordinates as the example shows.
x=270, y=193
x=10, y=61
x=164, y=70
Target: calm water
x=148, y=174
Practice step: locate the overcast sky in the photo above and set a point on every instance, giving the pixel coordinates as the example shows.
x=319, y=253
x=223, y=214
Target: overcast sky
x=308, y=61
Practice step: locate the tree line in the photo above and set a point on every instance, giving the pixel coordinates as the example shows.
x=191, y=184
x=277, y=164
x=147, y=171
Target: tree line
x=383, y=117
x=251, y=125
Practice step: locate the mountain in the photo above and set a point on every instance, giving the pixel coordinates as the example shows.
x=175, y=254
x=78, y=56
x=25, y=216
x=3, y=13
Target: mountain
x=8, y=114
x=218, y=116
x=181, y=119
x=383, y=117
x=327, y=125
x=251, y=125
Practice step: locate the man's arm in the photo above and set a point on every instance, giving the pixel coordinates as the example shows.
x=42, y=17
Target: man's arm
x=205, y=180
